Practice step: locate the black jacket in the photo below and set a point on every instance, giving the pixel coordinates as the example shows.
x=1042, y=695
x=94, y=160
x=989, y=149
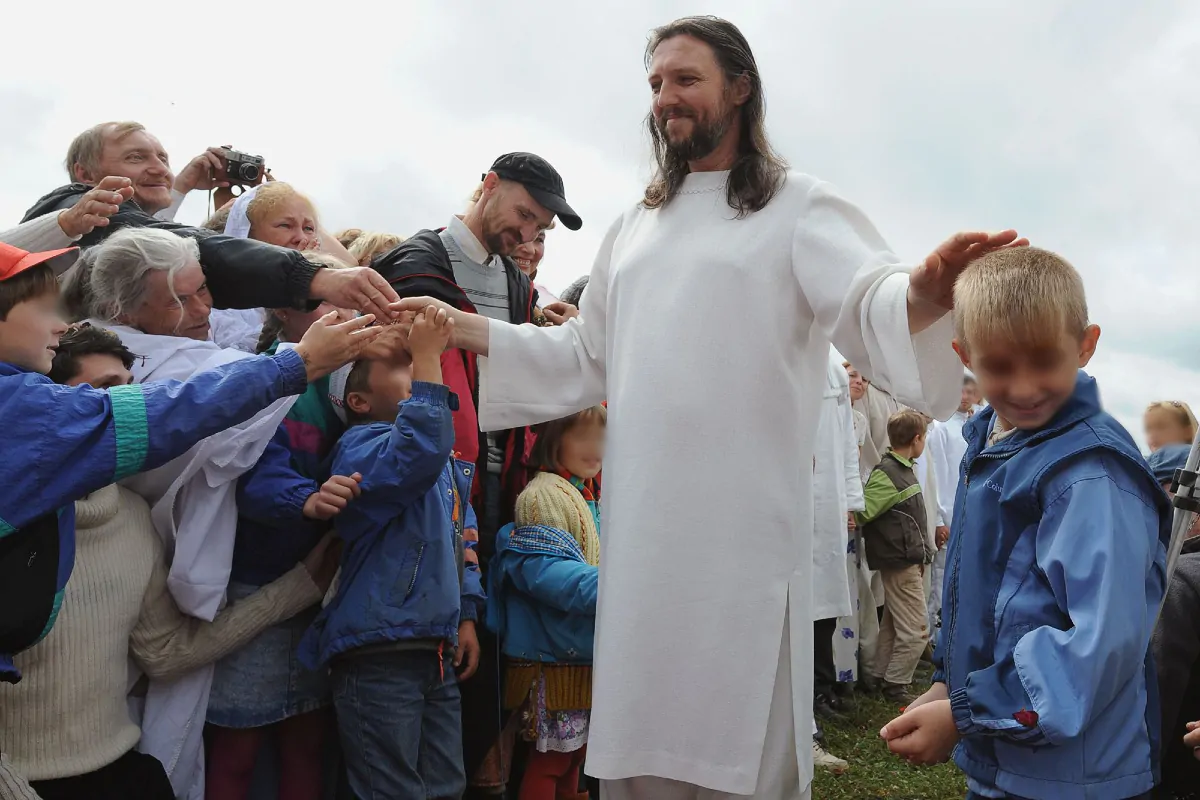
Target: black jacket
x=1176, y=648
x=419, y=267
x=241, y=273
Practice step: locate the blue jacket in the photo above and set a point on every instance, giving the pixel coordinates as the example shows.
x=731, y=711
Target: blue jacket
x=1055, y=570
x=403, y=572
x=62, y=443
x=542, y=596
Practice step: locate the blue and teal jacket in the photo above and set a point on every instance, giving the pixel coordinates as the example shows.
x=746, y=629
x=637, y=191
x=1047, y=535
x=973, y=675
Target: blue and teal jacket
x=1054, y=574
x=272, y=532
x=406, y=575
x=542, y=596
x=62, y=443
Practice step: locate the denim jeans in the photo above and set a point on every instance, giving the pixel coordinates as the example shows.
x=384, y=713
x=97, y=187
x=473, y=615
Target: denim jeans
x=400, y=722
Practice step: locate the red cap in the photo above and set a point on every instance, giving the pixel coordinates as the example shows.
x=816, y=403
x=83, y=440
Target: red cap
x=14, y=260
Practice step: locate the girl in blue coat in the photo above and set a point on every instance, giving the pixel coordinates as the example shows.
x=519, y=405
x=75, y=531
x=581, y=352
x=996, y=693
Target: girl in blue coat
x=543, y=582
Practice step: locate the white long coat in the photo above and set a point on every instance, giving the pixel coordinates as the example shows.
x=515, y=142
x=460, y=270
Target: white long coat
x=837, y=489
x=709, y=337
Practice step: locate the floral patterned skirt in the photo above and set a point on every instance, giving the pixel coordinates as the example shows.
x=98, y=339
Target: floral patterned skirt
x=546, y=696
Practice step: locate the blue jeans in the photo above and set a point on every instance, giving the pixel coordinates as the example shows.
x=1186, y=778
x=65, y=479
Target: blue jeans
x=400, y=722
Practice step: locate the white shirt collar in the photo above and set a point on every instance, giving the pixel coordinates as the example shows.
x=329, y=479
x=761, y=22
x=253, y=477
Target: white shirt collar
x=466, y=240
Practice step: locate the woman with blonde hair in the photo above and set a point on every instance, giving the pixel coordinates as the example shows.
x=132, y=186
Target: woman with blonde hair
x=1169, y=422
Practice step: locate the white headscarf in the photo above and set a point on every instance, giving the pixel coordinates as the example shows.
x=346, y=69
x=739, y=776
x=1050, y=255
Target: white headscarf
x=238, y=224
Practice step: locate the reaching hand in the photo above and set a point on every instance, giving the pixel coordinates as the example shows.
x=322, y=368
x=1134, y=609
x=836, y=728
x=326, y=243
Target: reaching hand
x=322, y=561
x=392, y=344
x=333, y=496
x=466, y=656
x=328, y=343
x=941, y=535
x=95, y=207
x=559, y=313
x=933, y=281
x=360, y=288
x=430, y=334
x=205, y=171
x=923, y=735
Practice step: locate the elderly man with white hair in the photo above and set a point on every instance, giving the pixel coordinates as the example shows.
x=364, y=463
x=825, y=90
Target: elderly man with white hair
x=147, y=286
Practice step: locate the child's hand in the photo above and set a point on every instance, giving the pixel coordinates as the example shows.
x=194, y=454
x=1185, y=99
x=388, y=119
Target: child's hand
x=466, y=656
x=1192, y=739
x=937, y=691
x=941, y=535
x=322, y=561
x=923, y=735
x=332, y=497
x=430, y=334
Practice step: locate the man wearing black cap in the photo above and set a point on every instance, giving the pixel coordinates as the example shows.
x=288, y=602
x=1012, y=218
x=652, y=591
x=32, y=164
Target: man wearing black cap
x=468, y=264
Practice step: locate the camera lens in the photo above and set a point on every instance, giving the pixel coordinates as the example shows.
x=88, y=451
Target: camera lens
x=249, y=172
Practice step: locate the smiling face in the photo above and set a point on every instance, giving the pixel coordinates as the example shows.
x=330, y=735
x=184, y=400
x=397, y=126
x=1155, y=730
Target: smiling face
x=290, y=222
x=529, y=255
x=693, y=105
x=1028, y=384
x=183, y=312
x=141, y=158
x=510, y=216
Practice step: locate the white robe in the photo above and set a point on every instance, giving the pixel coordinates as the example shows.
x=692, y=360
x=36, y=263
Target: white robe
x=709, y=337
x=193, y=505
x=837, y=489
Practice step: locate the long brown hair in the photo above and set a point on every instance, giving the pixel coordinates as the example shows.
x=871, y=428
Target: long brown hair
x=758, y=172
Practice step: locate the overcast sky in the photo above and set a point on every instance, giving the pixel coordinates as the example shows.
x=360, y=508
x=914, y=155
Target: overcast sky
x=1074, y=121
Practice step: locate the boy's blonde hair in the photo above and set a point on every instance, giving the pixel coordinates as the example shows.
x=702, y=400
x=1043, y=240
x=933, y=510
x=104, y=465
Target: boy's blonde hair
x=904, y=426
x=1021, y=295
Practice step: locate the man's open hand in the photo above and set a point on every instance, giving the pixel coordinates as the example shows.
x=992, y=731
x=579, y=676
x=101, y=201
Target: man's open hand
x=95, y=207
x=360, y=288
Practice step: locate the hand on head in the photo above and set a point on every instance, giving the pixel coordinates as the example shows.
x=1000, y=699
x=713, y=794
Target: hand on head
x=932, y=282
x=328, y=343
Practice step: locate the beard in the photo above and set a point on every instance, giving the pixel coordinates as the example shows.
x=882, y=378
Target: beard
x=496, y=245
x=706, y=134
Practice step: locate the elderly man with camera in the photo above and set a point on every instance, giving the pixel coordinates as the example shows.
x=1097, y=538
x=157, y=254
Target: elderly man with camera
x=108, y=160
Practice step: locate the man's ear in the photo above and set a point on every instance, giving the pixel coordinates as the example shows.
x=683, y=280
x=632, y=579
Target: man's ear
x=741, y=89
x=80, y=174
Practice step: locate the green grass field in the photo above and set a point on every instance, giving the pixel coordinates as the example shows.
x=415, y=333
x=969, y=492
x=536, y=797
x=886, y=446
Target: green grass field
x=874, y=772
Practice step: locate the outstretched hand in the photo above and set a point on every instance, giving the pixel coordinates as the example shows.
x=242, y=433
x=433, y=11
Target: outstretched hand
x=932, y=282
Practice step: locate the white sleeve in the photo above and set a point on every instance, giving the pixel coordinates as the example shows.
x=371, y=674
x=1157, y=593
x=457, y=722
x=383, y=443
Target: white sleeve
x=854, y=488
x=858, y=292
x=536, y=374
x=947, y=473
x=38, y=234
x=168, y=213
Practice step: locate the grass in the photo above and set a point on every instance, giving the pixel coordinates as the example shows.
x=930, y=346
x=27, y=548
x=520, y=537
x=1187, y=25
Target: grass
x=874, y=772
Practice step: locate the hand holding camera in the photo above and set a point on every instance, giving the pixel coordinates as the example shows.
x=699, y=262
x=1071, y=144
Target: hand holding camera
x=220, y=167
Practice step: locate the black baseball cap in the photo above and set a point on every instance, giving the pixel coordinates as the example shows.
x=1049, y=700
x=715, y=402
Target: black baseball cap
x=541, y=180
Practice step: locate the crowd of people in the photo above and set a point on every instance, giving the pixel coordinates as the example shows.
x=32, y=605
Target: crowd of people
x=329, y=504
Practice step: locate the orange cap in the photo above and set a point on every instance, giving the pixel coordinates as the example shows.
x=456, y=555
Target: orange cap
x=14, y=260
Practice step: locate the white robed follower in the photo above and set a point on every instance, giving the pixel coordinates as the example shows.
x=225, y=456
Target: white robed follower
x=193, y=505
x=709, y=336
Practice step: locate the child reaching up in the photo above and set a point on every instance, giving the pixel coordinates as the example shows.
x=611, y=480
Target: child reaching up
x=543, y=582
x=1056, y=563
x=403, y=616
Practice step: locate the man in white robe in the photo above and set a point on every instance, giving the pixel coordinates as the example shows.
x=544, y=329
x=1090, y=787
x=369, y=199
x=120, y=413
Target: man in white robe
x=708, y=332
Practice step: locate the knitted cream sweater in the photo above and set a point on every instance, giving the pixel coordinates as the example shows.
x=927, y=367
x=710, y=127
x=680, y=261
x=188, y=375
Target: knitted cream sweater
x=68, y=715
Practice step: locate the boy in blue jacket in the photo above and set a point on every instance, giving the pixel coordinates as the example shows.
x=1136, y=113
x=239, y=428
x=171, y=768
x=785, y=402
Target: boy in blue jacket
x=403, y=616
x=1043, y=687
x=64, y=442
